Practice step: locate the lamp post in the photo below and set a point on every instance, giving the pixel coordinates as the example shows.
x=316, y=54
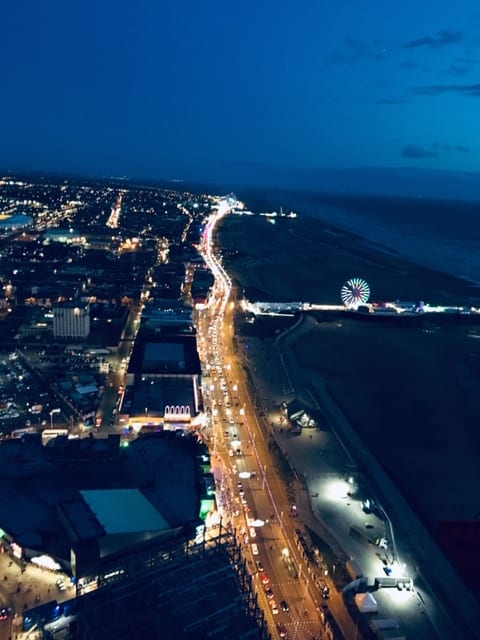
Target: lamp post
x=51, y=416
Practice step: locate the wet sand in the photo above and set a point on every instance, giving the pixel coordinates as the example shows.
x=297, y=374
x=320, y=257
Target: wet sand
x=411, y=392
x=306, y=259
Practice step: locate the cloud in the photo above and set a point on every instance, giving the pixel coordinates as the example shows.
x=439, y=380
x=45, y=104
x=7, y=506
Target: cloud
x=410, y=65
x=441, y=39
x=467, y=90
x=373, y=49
x=440, y=146
x=455, y=70
x=414, y=151
x=391, y=101
x=467, y=61
x=457, y=147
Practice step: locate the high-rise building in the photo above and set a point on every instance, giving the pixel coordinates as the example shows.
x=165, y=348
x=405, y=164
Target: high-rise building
x=71, y=319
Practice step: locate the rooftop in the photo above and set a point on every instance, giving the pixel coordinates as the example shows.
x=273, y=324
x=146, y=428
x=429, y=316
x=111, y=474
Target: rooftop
x=150, y=398
x=124, y=511
x=164, y=356
x=97, y=485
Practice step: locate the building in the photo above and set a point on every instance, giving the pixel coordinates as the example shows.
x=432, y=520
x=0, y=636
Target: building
x=84, y=503
x=71, y=320
x=102, y=523
x=163, y=384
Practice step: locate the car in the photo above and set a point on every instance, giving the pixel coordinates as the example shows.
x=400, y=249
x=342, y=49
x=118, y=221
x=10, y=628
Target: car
x=265, y=578
x=282, y=630
x=259, y=565
x=326, y=592
x=285, y=606
x=275, y=609
x=4, y=614
x=254, y=549
x=269, y=593
x=253, y=533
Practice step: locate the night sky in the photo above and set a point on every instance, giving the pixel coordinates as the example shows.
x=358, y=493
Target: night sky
x=219, y=89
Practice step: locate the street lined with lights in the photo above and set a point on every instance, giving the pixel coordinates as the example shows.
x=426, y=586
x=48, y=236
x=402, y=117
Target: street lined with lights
x=251, y=496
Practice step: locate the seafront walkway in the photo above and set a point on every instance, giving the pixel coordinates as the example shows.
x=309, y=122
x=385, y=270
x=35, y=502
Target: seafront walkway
x=25, y=587
x=440, y=594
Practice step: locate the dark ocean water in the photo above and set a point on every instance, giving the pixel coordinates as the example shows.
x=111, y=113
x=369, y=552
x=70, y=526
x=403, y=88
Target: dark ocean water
x=441, y=234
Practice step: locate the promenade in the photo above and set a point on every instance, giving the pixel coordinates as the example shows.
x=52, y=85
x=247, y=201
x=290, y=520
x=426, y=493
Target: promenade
x=24, y=588
x=440, y=606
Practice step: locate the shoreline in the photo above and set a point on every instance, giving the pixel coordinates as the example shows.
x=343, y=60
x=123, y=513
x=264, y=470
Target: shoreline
x=409, y=392
x=358, y=216
x=311, y=259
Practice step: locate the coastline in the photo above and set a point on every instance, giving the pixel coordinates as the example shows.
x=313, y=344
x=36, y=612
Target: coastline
x=308, y=259
x=409, y=393
x=418, y=229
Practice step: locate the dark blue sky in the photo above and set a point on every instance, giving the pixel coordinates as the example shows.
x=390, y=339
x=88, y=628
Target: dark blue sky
x=221, y=89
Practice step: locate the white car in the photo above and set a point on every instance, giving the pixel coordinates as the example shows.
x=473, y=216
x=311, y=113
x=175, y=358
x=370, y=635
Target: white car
x=254, y=549
x=253, y=533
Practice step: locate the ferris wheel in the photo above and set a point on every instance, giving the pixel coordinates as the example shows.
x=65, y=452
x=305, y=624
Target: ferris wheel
x=354, y=292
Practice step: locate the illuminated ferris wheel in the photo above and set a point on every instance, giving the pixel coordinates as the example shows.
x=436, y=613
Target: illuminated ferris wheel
x=354, y=292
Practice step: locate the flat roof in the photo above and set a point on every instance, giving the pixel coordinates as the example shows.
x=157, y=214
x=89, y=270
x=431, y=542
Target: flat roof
x=124, y=511
x=163, y=355
x=150, y=398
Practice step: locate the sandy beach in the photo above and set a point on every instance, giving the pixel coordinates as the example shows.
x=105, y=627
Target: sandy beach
x=410, y=392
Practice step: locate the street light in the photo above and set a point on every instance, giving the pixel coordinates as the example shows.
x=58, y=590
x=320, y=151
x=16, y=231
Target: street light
x=51, y=416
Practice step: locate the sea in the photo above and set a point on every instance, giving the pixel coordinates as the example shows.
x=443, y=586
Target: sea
x=441, y=234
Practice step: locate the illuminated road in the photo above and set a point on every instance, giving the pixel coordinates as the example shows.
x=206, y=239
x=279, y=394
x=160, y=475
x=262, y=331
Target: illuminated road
x=250, y=490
